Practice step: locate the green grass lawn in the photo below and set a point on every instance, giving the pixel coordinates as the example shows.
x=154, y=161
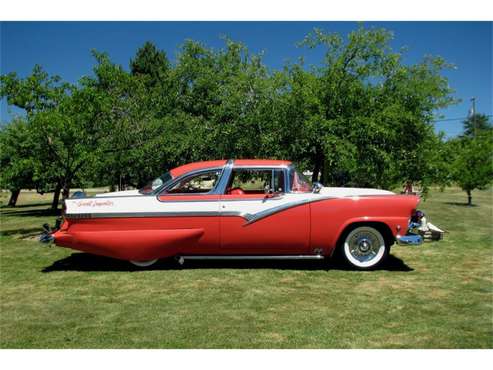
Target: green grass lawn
x=435, y=296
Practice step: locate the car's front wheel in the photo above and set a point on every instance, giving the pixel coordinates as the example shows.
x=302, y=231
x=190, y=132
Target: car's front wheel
x=364, y=248
x=143, y=263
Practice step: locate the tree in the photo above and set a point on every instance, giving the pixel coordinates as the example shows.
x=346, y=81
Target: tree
x=36, y=93
x=475, y=124
x=361, y=118
x=16, y=159
x=125, y=123
x=65, y=128
x=151, y=63
x=367, y=117
x=472, y=167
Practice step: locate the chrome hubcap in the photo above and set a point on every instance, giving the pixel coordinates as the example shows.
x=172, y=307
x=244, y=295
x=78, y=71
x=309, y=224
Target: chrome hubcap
x=364, y=246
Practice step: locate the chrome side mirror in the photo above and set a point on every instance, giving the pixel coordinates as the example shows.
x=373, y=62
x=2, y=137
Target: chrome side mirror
x=316, y=187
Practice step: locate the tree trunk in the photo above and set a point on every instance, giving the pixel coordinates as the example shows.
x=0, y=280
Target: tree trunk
x=316, y=171
x=56, y=197
x=13, y=197
x=65, y=192
x=319, y=161
x=469, y=197
x=324, y=173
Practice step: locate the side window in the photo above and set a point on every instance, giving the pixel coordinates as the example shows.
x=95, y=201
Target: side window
x=278, y=181
x=299, y=183
x=201, y=183
x=255, y=181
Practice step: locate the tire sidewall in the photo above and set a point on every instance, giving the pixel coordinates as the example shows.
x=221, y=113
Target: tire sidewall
x=143, y=264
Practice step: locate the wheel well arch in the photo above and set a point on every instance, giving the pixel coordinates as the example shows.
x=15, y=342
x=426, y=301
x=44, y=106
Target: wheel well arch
x=384, y=229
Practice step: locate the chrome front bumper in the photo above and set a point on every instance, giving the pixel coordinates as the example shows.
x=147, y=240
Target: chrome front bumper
x=418, y=232
x=409, y=239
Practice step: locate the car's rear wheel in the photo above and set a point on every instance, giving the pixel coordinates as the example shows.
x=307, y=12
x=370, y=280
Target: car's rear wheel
x=364, y=248
x=146, y=263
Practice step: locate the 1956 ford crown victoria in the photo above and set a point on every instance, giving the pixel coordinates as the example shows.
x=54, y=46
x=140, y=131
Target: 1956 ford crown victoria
x=248, y=209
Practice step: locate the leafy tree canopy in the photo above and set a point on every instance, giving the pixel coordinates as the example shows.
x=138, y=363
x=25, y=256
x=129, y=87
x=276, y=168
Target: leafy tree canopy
x=362, y=117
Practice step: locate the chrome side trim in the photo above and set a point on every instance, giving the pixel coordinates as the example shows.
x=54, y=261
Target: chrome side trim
x=143, y=214
x=246, y=216
x=269, y=212
x=249, y=217
x=249, y=257
x=259, y=199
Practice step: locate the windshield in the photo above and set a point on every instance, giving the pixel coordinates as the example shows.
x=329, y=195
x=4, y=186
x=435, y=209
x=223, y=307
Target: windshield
x=299, y=183
x=157, y=183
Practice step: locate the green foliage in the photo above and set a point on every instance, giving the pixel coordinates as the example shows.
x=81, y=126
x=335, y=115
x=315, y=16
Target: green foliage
x=472, y=164
x=37, y=92
x=476, y=124
x=151, y=63
x=364, y=118
x=17, y=157
x=360, y=118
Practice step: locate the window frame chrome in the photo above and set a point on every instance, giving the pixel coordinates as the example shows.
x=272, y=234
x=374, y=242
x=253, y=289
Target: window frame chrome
x=225, y=176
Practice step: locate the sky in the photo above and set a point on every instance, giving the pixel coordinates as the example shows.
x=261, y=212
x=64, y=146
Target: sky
x=64, y=48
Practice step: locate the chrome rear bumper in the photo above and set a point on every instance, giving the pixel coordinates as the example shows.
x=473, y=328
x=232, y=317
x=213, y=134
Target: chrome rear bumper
x=47, y=235
x=46, y=238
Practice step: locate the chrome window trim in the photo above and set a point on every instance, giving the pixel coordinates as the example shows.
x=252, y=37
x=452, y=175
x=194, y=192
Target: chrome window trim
x=268, y=166
x=224, y=180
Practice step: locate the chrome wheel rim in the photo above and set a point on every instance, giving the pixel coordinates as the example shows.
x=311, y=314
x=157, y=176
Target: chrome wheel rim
x=364, y=247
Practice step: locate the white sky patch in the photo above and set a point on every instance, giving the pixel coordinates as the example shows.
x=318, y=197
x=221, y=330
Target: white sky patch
x=246, y=10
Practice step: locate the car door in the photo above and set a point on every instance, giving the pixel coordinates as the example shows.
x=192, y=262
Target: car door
x=258, y=215
x=191, y=204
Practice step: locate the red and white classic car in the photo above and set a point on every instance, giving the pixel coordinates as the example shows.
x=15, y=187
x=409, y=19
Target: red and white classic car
x=252, y=209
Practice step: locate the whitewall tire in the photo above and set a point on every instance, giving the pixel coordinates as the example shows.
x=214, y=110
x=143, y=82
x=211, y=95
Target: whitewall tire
x=144, y=263
x=364, y=248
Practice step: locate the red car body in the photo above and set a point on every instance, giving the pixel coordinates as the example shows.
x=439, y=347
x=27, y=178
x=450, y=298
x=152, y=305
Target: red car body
x=247, y=208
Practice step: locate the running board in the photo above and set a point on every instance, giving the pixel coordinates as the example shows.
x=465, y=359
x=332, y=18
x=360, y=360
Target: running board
x=181, y=259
